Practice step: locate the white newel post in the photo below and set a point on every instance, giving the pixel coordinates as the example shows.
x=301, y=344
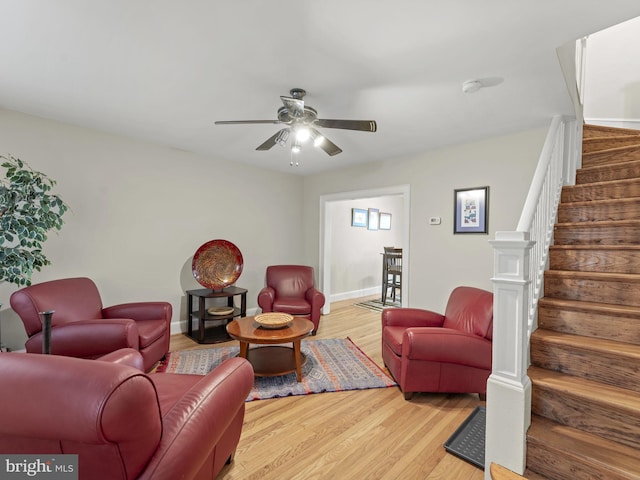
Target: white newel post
x=509, y=387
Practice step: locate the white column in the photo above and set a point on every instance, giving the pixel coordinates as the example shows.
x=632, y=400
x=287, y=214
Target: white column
x=509, y=387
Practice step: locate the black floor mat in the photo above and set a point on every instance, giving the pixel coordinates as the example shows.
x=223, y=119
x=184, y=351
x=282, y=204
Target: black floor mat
x=467, y=442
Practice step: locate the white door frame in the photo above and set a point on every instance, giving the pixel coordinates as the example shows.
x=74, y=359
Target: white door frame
x=325, y=234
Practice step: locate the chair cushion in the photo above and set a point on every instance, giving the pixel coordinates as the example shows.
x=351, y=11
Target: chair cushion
x=294, y=306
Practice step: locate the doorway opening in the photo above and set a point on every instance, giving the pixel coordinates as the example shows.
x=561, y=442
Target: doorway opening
x=326, y=223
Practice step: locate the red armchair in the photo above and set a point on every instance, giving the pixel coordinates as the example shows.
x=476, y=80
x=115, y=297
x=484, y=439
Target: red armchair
x=429, y=352
x=122, y=423
x=291, y=289
x=82, y=328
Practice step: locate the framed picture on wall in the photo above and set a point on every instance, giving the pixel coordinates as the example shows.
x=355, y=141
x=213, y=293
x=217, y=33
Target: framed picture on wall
x=374, y=218
x=358, y=217
x=471, y=210
x=385, y=221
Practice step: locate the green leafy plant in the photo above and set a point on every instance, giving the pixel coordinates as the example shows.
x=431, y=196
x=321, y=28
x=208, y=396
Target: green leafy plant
x=27, y=212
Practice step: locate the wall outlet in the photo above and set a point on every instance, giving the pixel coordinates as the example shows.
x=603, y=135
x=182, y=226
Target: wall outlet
x=435, y=220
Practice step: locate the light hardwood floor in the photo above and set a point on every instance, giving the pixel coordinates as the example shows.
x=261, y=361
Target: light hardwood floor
x=369, y=434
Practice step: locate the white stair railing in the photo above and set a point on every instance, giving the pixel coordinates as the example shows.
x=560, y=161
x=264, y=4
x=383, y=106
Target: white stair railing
x=520, y=258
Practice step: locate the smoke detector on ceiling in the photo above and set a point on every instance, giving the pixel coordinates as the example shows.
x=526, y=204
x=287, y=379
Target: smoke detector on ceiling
x=471, y=86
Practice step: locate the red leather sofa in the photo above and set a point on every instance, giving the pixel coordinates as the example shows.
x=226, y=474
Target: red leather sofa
x=427, y=351
x=121, y=422
x=82, y=327
x=291, y=289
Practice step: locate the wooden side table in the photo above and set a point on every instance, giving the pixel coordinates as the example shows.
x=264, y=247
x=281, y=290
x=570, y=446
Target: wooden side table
x=213, y=333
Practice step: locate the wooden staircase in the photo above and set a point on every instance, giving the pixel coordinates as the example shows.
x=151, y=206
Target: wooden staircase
x=585, y=354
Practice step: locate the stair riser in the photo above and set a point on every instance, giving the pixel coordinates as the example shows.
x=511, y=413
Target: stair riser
x=560, y=465
x=595, y=260
x=608, y=191
x=614, y=172
x=607, y=326
x=596, y=144
x=601, y=367
x=629, y=154
x=593, y=131
x=579, y=412
x=599, y=211
x=592, y=290
x=590, y=234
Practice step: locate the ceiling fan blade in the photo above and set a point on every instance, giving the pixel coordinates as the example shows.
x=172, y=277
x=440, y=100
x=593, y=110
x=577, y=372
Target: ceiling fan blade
x=360, y=125
x=280, y=135
x=295, y=106
x=245, y=122
x=327, y=145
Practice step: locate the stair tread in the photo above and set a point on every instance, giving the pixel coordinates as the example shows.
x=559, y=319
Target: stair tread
x=604, y=201
x=605, y=167
x=627, y=310
x=617, y=398
x=610, y=276
x=591, y=344
x=595, y=247
x=624, y=148
x=600, y=223
x=604, y=128
x=591, y=449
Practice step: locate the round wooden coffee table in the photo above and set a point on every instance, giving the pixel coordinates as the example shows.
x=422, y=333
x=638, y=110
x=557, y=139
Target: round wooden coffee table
x=274, y=359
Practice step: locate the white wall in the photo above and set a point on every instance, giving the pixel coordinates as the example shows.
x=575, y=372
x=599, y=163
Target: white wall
x=439, y=259
x=612, y=81
x=356, y=263
x=140, y=211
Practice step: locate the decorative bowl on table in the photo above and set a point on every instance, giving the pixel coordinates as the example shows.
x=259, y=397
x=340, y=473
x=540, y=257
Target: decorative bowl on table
x=274, y=320
x=217, y=264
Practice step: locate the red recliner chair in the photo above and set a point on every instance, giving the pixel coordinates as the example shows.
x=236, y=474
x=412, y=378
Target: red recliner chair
x=82, y=328
x=122, y=423
x=430, y=352
x=291, y=289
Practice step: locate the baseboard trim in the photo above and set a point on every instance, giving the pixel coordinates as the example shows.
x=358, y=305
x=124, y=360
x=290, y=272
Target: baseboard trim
x=632, y=123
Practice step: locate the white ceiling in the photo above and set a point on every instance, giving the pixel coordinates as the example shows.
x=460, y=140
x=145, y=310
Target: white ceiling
x=164, y=70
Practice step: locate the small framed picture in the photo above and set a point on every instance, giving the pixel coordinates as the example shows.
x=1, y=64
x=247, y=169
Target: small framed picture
x=471, y=210
x=358, y=217
x=385, y=221
x=374, y=219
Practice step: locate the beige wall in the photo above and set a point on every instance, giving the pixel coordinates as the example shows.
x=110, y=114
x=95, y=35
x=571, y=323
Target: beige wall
x=139, y=211
x=356, y=263
x=439, y=260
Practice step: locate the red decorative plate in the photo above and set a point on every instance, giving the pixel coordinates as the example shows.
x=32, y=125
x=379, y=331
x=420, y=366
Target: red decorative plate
x=217, y=264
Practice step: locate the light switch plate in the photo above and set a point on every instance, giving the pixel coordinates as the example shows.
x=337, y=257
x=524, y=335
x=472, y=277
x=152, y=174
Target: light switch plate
x=435, y=220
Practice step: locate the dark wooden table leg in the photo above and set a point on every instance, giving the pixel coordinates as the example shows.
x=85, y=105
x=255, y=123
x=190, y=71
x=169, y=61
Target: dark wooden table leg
x=244, y=348
x=296, y=353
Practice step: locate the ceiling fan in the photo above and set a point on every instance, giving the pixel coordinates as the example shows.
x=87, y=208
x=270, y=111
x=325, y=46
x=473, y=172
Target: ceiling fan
x=302, y=120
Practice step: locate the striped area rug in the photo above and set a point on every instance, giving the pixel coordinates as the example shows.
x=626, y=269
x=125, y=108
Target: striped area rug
x=376, y=305
x=333, y=365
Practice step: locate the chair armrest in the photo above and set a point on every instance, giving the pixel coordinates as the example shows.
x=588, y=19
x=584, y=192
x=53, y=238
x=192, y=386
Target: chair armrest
x=266, y=298
x=139, y=311
x=446, y=345
x=88, y=338
x=199, y=419
x=315, y=297
x=124, y=356
x=411, y=317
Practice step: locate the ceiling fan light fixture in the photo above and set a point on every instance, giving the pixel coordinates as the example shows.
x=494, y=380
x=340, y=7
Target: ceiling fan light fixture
x=282, y=137
x=295, y=146
x=302, y=134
